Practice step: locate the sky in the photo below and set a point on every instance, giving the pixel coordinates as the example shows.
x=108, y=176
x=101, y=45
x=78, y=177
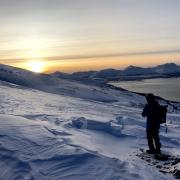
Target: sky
x=81, y=35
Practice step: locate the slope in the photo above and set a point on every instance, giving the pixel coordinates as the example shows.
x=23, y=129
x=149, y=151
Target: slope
x=52, y=136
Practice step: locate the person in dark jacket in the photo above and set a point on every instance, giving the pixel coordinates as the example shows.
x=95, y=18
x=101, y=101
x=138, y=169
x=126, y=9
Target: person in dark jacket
x=151, y=111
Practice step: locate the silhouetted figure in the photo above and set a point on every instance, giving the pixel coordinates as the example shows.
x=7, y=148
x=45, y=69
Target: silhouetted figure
x=151, y=111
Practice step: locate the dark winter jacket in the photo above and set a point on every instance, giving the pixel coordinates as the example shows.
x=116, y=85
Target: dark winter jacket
x=151, y=111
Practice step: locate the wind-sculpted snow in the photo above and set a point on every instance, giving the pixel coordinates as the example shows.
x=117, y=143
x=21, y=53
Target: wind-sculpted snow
x=114, y=127
x=52, y=136
x=107, y=127
x=29, y=151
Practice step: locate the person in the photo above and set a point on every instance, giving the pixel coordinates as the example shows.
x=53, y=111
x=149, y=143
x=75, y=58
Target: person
x=151, y=111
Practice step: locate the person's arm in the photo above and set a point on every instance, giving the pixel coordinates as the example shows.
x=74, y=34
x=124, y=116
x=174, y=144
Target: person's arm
x=144, y=113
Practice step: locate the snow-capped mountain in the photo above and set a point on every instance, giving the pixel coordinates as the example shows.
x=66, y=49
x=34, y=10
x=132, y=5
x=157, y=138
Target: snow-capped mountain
x=168, y=69
x=133, y=70
x=105, y=73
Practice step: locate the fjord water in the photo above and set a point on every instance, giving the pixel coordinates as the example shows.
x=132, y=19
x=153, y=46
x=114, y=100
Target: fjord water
x=168, y=88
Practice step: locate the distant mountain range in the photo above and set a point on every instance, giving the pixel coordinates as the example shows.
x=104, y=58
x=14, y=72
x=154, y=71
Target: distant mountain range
x=129, y=73
x=50, y=81
x=86, y=85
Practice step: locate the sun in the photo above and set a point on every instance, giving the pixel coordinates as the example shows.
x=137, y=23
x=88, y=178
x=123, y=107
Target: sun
x=36, y=66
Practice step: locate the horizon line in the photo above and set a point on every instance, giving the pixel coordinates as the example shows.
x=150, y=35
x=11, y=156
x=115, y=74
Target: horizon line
x=46, y=72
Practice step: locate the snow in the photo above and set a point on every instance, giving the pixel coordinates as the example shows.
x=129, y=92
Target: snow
x=90, y=134
x=131, y=72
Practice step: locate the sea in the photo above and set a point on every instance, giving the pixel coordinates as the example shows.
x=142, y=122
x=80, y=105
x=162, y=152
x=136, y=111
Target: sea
x=168, y=88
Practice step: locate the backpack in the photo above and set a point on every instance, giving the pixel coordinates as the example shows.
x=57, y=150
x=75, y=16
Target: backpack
x=163, y=113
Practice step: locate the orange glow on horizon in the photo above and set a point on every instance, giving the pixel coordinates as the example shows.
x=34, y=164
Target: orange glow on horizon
x=70, y=66
x=74, y=65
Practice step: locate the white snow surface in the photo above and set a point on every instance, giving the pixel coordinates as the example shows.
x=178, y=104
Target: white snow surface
x=48, y=136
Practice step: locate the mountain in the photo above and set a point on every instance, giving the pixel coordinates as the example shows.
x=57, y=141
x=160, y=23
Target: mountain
x=58, y=74
x=168, y=68
x=105, y=73
x=82, y=75
x=131, y=72
x=49, y=82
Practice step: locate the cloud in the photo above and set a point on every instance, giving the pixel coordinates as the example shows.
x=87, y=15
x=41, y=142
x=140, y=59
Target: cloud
x=93, y=56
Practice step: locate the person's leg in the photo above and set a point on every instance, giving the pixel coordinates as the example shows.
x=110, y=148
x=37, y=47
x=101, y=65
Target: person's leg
x=157, y=140
x=150, y=140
